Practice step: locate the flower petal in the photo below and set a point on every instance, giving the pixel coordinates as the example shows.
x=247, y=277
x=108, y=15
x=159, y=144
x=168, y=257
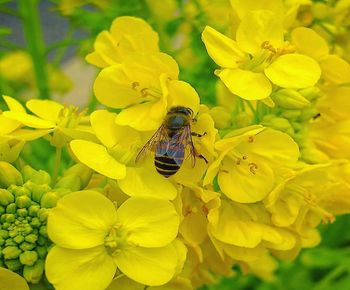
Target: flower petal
x=149, y=266
x=45, y=109
x=294, y=71
x=335, y=70
x=12, y=281
x=8, y=125
x=13, y=104
x=308, y=42
x=122, y=282
x=182, y=94
x=81, y=220
x=258, y=27
x=97, y=158
x=147, y=182
x=222, y=49
x=246, y=84
x=147, y=227
x=240, y=184
x=143, y=117
x=114, y=89
x=29, y=120
x=91, y=269
x=242, y=7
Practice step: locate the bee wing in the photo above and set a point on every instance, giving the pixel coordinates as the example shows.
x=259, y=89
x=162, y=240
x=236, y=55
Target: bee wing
x=171, y=148
x=151, y=144
x=186, y=140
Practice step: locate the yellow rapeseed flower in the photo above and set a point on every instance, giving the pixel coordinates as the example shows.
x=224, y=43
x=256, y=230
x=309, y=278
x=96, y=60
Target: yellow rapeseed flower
x=93, y=239
x=127, y=35
x=259, y=57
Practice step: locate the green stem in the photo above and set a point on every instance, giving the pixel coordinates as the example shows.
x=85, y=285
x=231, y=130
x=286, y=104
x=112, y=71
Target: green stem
x=255, y=113
x=57, y=165
x=328, y=279
x=35, y=42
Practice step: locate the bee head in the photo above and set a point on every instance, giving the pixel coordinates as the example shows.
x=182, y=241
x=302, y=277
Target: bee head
x=182, y=110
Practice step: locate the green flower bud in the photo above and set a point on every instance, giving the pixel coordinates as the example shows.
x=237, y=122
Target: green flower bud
x=290, y=99
x=2, y=209
x=25, y=246
x=13, y=264
x=291, y=114
x=18, y=239
x=42, y=214
x=4, y=234
x=37, y=190
x=243, y=119
x=22, y=212
x=23, y=201
x=42, y=251
x=38, y=177
x=307, y=114
x=310, y=93
x=9, y=175
x=41, y=241
x=313, y=156
x=10, y=242
x=71, y=182
x=33, y=210
x=82, y=171
x=33, y=273
x=35, y=222
x=11, y=252
x=280, y=124
x=27, y=230
x=6, y=225
x=49, y=200
x=9, y=217
x=13, y=233
x=31, y=238
x=20, y=191
x=2, y=241
x=28, y=258
x=6, y=197
x=43, y=231
x=11, y=208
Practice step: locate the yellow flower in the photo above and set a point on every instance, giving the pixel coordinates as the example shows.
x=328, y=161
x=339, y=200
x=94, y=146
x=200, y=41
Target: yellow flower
x=259, y=57
x=93, y=239
x=12, y=281
x=145, y=87
x=116, y=158
x=64, y=122
x=128, y=35
x=12, y=136
x=330, y=132
x=334, y=69
x=248, y=163
x=301, y=201
x=17, y=67
x=67, y=7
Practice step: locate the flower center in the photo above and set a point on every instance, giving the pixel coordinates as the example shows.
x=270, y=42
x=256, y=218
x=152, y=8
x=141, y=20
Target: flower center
x=147, y=94
x=116, y=239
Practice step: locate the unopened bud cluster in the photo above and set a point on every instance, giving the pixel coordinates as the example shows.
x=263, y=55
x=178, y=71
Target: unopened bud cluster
x=24, y=202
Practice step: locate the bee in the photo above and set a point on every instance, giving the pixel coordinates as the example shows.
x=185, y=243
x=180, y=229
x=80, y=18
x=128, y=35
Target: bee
x=171, y=140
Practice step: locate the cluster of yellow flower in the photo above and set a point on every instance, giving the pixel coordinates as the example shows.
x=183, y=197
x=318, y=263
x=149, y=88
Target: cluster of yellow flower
x=276, y=150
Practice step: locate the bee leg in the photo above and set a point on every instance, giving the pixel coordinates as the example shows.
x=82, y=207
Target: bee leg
x=197, y=134
x=202, y=157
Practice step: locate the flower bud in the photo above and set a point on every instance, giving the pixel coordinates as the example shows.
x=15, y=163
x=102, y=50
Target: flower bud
x=313, y=155
x=38, y=177
x=13, y=264
x=49, y=199
x=307, y=114
x=18, y=239
x=82, y=171
x=31, y=238
x=25, y=246
x=243, y=120
x=22, y=212
x=6, y=197
x=9, y=175
x=37, y=190
x=290, y=99
x=278, y=123
x=11, y=208
x=11, y=252
x=71, y=182
x=221, y=116
x=42, y=214
x=310, y=93
x=290, y=114
x=23, y=201
x=42, y=251
x=28, y=258
x=2, y=209
x=20, y=190
x=33, y=273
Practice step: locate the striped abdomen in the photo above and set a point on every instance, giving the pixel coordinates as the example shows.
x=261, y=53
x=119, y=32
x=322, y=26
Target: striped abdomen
x=169, y=157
